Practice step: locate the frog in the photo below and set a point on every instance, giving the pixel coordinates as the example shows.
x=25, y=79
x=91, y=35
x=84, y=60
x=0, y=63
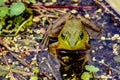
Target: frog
x=72, y=40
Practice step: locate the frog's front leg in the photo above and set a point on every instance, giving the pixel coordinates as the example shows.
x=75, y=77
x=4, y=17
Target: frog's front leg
x=53, y=48
x=56, y=27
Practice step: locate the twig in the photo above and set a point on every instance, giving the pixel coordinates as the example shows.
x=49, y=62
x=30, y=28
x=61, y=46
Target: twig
x=118, y=71
x=13, y=53
x=106, y=9
x=30, y=18
x=111, y=68
x=17, y=71
x=8, y=67
x=104, y=6
x=53, y=6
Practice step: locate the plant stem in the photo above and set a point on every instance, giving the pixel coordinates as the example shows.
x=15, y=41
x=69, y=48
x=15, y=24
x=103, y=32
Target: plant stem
x=23, y=25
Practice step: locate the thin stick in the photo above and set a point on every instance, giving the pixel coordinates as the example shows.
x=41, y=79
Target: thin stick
x=13, y=53
x=8, y=67
x=16, y=71
x=55, y=6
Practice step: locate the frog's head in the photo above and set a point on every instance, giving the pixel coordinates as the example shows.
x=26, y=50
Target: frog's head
x=73, y=36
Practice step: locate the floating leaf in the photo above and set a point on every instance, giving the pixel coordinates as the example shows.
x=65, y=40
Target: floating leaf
x=86, y=76
x=17, y=8
x=91, y=68
x=117, y=58
x=3, y=11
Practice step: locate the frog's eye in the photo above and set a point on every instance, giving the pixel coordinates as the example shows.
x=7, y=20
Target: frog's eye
x=81, y=35
x=64, y=34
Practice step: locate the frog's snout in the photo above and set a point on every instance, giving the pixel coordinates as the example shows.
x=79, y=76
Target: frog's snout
x=72, y=41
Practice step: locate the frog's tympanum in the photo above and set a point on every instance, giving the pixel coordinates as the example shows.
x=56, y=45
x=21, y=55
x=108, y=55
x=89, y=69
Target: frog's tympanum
x=72, y=41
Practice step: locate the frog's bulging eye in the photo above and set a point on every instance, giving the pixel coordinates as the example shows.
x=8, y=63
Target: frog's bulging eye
x=63, y=36
x=81, y=35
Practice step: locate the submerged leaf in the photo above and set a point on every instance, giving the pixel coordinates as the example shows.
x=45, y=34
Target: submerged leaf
x=117, y=58
x=49, y=65
x=3, y=72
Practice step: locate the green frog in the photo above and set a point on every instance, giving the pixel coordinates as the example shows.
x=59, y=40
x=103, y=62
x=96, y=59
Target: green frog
x=72, y=40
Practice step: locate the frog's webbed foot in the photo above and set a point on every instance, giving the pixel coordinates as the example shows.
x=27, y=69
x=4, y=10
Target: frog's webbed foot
x=84, y=57
x=52, y=48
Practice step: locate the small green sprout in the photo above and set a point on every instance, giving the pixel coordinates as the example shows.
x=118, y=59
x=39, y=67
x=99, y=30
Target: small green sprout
x=35, y=69
x=86, y=76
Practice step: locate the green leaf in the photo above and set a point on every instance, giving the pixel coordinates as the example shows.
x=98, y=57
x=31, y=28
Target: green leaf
x=33, y=78
x=86, y=76
x=1, y=27
x=17, y=8
x=91, y=68
x=2, y=2
x=3, y=11
x=117, y=58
